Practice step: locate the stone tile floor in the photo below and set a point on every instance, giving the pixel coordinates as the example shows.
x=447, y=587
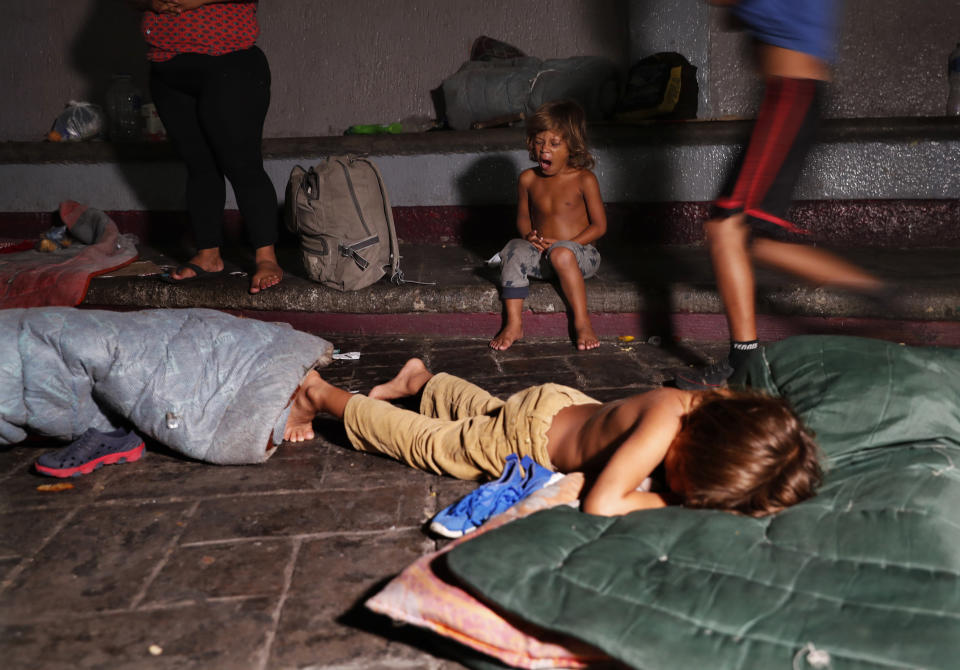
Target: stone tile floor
x=169, y=563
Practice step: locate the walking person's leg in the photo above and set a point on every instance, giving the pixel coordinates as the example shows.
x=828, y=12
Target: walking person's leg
x=753, y=210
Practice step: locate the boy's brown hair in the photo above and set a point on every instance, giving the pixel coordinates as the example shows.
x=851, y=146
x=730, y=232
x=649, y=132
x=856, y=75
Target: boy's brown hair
x=745, y=452
x=567, y=118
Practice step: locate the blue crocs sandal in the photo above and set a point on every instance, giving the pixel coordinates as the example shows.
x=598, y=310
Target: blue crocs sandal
x=89, y=451
x=483, y=502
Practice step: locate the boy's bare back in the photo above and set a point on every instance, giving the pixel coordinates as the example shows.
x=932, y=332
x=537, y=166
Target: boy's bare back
x=623, y=441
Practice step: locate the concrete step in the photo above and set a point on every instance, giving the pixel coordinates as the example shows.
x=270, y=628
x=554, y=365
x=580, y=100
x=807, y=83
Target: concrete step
x=898, y=160
x=887, y=189
x=664, y=292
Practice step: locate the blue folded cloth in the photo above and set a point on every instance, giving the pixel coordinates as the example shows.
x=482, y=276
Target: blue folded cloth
x=520, y=478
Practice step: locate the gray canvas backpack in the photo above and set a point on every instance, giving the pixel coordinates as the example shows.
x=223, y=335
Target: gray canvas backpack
x=340, y=211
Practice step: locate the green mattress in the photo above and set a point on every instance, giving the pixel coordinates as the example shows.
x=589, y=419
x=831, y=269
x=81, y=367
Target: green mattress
x=864, y=575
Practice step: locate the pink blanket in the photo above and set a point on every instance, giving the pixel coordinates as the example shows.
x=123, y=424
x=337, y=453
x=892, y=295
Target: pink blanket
x=34, y=279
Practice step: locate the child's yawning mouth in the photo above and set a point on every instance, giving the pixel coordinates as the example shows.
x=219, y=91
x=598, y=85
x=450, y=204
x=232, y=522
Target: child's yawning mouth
x=549, y=149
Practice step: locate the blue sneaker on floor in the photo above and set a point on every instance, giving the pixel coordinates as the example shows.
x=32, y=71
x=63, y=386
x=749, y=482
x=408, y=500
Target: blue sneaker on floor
x=482, y=503
x=89, y=451
x=519, y=479
x=537, y=477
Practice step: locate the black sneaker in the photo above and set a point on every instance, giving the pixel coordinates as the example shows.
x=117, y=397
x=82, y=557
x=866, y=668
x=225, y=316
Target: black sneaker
x=89, y=451
x=704, y=378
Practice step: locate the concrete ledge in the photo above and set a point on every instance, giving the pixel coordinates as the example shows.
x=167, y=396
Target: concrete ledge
x=648, y=292
x=602, y=136
x=484, y=228
x=915, y=158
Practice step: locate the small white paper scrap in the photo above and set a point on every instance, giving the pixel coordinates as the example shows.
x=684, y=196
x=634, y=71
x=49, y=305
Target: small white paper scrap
x=347, y=356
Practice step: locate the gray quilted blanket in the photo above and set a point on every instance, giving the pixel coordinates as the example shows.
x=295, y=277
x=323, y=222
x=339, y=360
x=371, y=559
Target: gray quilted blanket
x=211, y=386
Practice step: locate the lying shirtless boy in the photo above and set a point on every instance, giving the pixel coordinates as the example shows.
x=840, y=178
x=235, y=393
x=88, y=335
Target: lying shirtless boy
x=737, y=451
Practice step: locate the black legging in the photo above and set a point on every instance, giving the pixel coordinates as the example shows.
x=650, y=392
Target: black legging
x=213, y=109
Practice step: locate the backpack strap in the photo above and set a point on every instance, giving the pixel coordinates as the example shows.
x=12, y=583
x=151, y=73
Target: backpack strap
x=353, y=250
x=396, y=275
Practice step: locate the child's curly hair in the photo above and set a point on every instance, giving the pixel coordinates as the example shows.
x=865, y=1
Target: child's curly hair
x=567, y=118
x=746, y=452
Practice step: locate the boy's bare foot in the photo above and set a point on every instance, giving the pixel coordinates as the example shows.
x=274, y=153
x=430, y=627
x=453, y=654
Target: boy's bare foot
x=268, y=274
x=586, y=337
x=314, y=395
x=412, y=377
x=506, y=337
x=306, y=403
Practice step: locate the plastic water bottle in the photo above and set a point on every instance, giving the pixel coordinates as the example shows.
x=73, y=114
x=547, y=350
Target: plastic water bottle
x=953, y=74
x=123, y=109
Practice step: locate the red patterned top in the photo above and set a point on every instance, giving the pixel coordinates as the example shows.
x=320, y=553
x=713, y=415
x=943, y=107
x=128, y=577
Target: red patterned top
x=214, y=29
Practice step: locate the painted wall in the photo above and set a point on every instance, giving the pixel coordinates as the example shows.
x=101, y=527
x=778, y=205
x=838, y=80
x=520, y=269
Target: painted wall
x=885, y=167
x=891, y=61
x=334, y=63
x=338, y=63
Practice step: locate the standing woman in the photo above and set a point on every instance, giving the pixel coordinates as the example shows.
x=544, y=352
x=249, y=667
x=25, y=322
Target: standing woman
x=211, y=86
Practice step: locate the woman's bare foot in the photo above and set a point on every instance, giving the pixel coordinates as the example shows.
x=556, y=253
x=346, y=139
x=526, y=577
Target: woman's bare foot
x=268, y=272
x=506, y=337
x=206, y=259
x=586, y=337
x=266, y=275
x=412, y=377
x=314, y=395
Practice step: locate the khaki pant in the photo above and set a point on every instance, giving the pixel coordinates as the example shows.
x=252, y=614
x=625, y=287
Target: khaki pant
x=461, y=429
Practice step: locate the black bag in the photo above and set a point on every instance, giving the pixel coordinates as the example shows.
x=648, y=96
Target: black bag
x=662, y=86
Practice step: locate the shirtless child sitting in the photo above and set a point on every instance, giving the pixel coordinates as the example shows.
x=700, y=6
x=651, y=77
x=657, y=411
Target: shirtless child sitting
x=737, y=451
x=559, y=215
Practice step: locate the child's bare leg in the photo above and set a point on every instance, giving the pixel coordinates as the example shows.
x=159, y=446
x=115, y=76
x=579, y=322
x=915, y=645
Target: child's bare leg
x=513, y=328
x=733, y=269
x=575, y=290
x=313, y=396
x=412, y=377
x=815, y=265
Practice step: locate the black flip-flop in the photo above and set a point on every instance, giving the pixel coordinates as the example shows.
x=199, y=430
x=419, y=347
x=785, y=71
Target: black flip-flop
x=200, y=274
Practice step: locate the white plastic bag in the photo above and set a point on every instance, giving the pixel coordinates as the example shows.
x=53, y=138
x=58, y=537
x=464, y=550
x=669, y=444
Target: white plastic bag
x=78, y=121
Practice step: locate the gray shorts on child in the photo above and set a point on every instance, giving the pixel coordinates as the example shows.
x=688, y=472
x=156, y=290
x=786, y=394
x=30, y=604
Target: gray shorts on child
x=521, y=261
